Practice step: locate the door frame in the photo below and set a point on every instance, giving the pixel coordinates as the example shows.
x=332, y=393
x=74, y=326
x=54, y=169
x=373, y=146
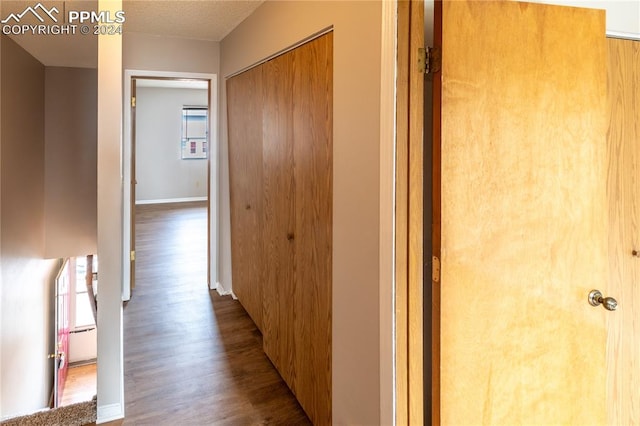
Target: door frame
x=409, y=250
x=213, y=240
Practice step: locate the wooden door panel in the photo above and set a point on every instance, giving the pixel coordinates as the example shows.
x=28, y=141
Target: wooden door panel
x=279, y=217
x=293, y=245
x=524, y=235
x=244, y=106
x=623, y=345
x=313, y=152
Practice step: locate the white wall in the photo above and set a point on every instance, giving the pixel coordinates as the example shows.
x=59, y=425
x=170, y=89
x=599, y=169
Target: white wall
x=83, y=346
x=26, y=333
x=623, y=16
x=110, y=347
x=71, y=96
x=160, y=172
x=159, y=53
x=1, y=261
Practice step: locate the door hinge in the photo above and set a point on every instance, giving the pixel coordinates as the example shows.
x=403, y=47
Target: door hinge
x=435, y=269
x=133, y=102
x=429, y=60
x=133, y=255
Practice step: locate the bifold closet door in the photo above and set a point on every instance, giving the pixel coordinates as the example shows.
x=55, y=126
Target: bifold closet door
x=279, y=217
x=313, y=154
x=297, y=155
x=244, y=106
x=280, y=114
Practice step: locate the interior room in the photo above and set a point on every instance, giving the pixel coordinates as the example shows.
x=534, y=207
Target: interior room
x=349, y=212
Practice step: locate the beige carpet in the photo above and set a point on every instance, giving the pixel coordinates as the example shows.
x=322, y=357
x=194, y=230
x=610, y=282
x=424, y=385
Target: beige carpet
x=71, y=415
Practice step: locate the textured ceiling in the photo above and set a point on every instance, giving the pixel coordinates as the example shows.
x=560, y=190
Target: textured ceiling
x=194, y=19
x=203, y=19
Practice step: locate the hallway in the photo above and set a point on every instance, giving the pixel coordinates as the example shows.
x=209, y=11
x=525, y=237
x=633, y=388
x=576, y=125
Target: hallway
x=192, y=356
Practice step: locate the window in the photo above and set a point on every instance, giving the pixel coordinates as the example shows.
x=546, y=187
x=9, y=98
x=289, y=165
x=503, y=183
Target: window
x=194, y=133
x=83, y=317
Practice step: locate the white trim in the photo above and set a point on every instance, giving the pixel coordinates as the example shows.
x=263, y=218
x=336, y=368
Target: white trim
x=387, y=293
x=171, y=200
x=624, y=35
x=126, y=168
x=110, y=412
x=222, y=291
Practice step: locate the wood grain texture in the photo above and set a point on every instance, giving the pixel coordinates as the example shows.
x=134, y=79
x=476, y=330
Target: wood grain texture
x=80, y=385
x=436, y=217
x=296, y=228
x=313, y=174
x=402, y=217
x=416, y=218
x=524, y=231
x=279, y=217
x=623, y=345
x=244, y=106
x=191, y=356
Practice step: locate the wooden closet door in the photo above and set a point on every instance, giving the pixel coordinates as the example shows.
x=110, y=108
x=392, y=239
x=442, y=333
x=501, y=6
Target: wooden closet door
x=279, y=217
x=623, y=344
x=313, y=152
x=291, y=242
x=244, y=106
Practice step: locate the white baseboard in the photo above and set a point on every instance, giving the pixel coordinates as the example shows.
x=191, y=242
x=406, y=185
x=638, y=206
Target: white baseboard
x=171, y=200
x=224, y=292
x=221, y=290
x=109, y=413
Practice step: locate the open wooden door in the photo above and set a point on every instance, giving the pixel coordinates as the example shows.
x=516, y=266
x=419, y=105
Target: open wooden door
x=523, y=214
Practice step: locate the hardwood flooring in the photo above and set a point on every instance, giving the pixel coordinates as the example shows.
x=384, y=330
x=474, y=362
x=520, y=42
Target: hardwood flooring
x=191, y=356
x=80, y=384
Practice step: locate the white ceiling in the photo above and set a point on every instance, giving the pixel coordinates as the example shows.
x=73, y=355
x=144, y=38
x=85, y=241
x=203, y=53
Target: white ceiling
x=194, y=19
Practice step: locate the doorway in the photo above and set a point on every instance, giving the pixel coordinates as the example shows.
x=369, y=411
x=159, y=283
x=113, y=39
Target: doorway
x=180, y=154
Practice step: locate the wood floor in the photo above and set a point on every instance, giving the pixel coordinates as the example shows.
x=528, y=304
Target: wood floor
x=80, y=384
x=191, y=356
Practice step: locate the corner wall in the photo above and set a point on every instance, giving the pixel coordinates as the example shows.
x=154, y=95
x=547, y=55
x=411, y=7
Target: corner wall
x=356, y=217
x=110, y=340
x=26, y=332
x=71, y=102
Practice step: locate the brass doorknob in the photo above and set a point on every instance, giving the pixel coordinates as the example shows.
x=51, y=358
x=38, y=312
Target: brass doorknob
x=596, y=298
